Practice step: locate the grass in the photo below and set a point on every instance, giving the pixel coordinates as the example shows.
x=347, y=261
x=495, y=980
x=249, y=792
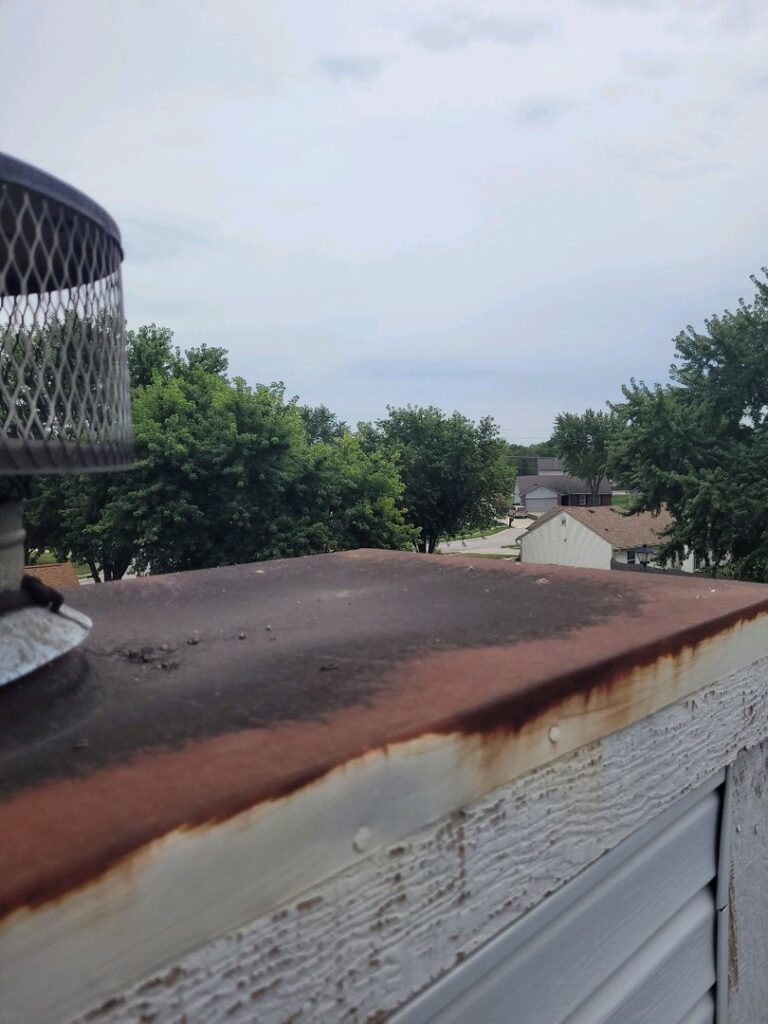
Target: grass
x=622, y=500
x=479, y=534
x=479, y=554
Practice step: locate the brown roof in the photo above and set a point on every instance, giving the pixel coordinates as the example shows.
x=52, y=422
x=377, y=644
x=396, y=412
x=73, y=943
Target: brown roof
x=619, y=529
x=61, y=574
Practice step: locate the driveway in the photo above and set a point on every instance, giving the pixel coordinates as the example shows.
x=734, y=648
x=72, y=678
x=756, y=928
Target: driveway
x=487, y=545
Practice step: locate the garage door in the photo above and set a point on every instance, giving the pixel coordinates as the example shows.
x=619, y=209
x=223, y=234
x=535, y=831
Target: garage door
x=631, y=940
x=540, y=504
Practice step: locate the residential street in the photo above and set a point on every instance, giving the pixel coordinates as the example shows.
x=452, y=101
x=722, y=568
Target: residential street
x=491, y=545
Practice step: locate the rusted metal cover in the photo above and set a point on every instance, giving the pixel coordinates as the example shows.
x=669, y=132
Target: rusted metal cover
x=200, y=695
x=31, y=637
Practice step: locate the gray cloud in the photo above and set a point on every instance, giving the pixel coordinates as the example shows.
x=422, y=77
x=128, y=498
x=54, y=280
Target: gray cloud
x=410, y=368
x=542, y=111
x=652, y=65
x=642, y=6
x=693, y=171
x=353, y=67
x=456, y=29
x=146, y=241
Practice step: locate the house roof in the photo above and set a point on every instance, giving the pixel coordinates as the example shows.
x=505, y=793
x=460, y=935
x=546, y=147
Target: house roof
x=559, y=484
x=58, y=575
x=622, y=531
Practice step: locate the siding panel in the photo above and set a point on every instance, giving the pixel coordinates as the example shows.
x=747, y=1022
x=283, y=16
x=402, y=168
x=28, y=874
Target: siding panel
x=703, y=1012
x=572, y=543
x=635, y=945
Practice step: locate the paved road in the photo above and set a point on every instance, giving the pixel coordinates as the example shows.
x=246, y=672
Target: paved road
x=487, y=545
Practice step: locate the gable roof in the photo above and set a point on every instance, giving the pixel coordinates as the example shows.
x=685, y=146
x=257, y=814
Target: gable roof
x=559, y=484
x=622, y=531
x=58, y=575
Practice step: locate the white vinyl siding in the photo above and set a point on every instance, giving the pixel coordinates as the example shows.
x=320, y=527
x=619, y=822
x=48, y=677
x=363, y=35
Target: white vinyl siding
x=630, y=941
x=553, y=543
x=620, y=555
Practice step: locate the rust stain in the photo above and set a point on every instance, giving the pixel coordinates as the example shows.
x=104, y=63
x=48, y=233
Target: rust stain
x=304, y=905
x=733, y=949
x=278, y=725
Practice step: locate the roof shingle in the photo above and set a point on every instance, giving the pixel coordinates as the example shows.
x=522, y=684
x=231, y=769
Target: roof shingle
x=559, y=484
x=58, y=575
x=614, y=525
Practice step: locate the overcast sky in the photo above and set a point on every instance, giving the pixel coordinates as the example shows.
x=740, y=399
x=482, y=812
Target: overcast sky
x=500, y=207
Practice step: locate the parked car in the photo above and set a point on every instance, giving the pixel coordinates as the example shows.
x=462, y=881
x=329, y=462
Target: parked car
x=517, y=512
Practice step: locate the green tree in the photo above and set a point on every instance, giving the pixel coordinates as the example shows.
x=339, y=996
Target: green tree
x=321, y=424
x=457, y=474
x=699, y=444
x=347, y=496
x=525, y=456
x=582, y=442
x=224, y=473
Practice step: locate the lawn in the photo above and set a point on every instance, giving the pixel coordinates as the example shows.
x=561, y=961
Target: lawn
x=480, y=554
x=622, y=500
x=479, y=534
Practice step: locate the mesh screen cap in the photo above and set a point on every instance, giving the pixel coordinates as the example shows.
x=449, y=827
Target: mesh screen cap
x=64, y=389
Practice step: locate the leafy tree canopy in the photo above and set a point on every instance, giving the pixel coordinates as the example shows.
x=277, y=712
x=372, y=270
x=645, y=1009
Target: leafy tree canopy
x=224, y=473
x=321, y=424
x=699, y=444
x=457, y=474
x=582, y=442
x=525, y=456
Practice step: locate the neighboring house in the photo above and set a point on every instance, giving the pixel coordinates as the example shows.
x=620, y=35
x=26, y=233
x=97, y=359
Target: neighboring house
x=552, y=487
x=546, y=491
x=594, y=538
x=58, y=575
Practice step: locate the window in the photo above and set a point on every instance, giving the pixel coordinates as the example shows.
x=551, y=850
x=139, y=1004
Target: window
x=582, y=499
x=631, y=557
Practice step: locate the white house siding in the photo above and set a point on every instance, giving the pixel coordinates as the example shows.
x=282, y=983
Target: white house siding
x=541, y=499
x=620, y=556
x=553, y=543
x=687, y=565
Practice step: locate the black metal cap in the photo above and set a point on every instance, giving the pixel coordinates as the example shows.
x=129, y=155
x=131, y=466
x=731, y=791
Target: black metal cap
x=51, y=235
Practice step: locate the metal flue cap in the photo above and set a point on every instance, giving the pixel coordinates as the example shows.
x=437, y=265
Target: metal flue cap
x=64, y=389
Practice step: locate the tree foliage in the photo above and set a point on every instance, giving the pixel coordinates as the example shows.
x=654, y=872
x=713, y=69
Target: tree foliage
x=224, y=473
x=457, y=474
x=699, y=444
x=582, y=442
x=525, y=456
x=321, y=424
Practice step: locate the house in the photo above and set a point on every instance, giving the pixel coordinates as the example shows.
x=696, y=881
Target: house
x=546, y=491
x=552, y=487
x=594, y=538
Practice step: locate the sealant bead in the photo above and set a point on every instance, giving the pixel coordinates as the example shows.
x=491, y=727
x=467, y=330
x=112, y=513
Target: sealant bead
x=554, y=733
